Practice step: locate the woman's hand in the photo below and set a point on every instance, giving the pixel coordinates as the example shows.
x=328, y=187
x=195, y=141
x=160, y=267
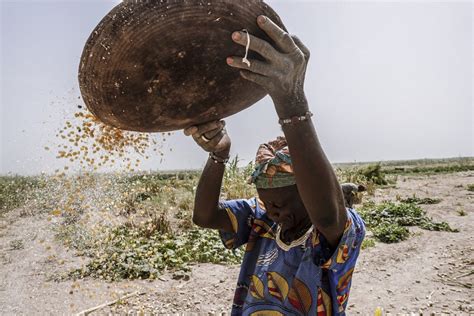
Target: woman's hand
x=282, y=74
x=212, y=137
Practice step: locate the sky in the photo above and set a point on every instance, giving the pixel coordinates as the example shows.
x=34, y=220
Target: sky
x=386, y=81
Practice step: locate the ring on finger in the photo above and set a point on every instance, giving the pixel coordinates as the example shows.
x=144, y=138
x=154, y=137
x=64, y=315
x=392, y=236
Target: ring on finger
x=205, y=139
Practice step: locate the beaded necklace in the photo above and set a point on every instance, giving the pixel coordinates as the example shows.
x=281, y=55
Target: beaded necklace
x=295, y=243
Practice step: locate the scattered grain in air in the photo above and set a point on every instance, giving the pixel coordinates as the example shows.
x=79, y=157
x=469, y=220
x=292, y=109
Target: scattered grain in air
x=91, y=143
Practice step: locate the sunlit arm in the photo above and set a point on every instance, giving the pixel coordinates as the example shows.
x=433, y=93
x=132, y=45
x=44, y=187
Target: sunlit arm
x=206, y=211
x=315, y=178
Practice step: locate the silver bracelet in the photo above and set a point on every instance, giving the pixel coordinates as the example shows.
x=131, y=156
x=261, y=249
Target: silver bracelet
x=296, y=119
x=218, y=159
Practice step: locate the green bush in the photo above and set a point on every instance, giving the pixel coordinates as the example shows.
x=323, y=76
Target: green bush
x=388, y=220
x=370, y=176
x=134, y=253
x=373, y=173
x=428, y=224
x=406, y=214
x=368, y=243
x=390, y=233
x=416, y=200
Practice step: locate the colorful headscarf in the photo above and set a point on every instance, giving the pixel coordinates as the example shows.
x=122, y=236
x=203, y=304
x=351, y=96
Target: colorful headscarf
x=273, y=168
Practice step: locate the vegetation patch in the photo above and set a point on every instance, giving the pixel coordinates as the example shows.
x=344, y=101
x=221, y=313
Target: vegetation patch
x=15, y=191
x=388, y=220
x=371, y=176
x=420, y=166
x=470, y=187
x=141, y=253
x=426, y=170
x=390, y=232
x=373, y=173
x=420, y=201
x=368, y=242
x=140, y=225
x=235, y=183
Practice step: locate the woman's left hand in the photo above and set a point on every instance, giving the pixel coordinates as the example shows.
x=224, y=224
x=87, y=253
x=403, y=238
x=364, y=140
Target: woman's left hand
x=282, y=74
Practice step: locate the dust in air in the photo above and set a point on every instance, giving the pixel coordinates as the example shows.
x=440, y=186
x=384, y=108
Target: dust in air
x=86, y=205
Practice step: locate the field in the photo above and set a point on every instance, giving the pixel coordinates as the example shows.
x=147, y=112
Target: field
x=125, y=243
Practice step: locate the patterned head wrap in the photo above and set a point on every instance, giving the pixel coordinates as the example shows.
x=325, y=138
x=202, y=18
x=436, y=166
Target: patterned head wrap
x=273, y=167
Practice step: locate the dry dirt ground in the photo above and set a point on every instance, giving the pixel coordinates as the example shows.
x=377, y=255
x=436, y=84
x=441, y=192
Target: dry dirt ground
x=430, y=272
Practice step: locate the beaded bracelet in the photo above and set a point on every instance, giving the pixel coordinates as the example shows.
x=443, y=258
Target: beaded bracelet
x=295, y=119
x=218, y=159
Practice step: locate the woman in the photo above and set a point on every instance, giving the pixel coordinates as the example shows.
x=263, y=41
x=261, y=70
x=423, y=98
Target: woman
x=302, y=242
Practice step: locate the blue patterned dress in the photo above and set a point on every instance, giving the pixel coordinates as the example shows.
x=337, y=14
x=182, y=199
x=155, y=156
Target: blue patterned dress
x=309, y=279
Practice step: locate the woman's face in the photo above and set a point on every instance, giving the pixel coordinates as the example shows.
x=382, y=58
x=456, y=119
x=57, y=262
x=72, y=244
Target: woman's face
x=283, y=205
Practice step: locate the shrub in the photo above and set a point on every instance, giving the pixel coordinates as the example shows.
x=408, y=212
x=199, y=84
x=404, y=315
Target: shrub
x=368, y=243
x=390, y=233
x=235, y=185
x=387, y=220
x=416, y=200
x=134, y=253
x=373, y=173
x=370, y=176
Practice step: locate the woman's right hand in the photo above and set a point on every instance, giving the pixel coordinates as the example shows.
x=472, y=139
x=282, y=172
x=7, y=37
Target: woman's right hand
x=212, y=137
